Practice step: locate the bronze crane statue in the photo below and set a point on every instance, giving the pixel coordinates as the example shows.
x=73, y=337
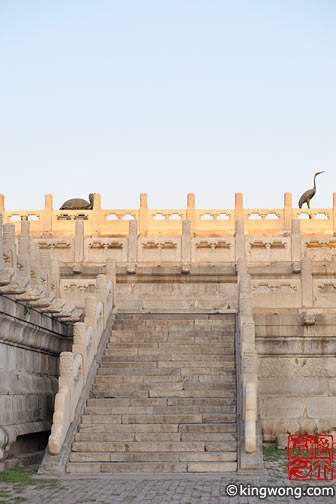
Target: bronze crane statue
x=308, y=195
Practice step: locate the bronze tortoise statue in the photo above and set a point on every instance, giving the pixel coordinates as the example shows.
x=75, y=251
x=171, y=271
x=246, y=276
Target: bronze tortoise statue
x=78, y=204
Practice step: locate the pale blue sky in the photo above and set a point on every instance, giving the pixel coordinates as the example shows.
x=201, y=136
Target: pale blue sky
x=167, y=97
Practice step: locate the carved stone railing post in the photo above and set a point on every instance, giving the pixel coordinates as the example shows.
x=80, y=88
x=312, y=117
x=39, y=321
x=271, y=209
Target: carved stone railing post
x=79, y=241
x=1, y=245
x=47, y=215
x=46, y=269
x=96, y=214
x=247, y=368
x=55, y=276
x=66, y=373
x=80, y=344
x=143, y=215
x=24, y=254
x=296, y=241
x=240, y=240
x=9, y=246
x=63, y=410
x=186, y=242
x=288, y=211
x=6, y=273
x=306, y=283
x=132, y=242
x=111, y=273
x=239, y=214
x=91, y=318
x=35, y=262
x=101, y=293
x=191, y=211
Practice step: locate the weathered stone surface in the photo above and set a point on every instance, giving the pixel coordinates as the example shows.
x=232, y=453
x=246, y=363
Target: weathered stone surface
x=180, y=420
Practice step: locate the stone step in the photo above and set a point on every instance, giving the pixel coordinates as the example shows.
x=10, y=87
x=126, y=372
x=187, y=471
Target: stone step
x=139, y=437
x=161, y=348
x=178, y=339
x=110, y=403
x=163, y=392
x=181, y=322
x=152, y=467
x=176, y=316
x=158, y=357
x=79, y=446
x=139, y=371
x=157, y=410
x=163, y=399
x=153, y=457
x=154, y=428
x=160, y=419
x=177, y=383
x=177, y=376
x=190, y=362
x=123, y=428
x=142, y=437
x=154, y=369
x=166, y=331
x=137, y=380
x=192, y=446
x=124, y=393
x=210, y=427
x=174, y=324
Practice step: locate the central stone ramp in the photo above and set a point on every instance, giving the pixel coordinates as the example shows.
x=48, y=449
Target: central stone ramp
x=164, y=398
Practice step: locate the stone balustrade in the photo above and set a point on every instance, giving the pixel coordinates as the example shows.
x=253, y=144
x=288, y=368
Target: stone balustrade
x=97, y=222
x=75, y=365
x=247, y=365
x=31, y=274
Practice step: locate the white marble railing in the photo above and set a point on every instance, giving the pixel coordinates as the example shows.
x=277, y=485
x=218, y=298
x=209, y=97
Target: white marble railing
x=75, y=365
x=247, y=360
x=31, y=274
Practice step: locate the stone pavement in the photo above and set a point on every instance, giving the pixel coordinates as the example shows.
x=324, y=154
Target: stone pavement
x=153, y=488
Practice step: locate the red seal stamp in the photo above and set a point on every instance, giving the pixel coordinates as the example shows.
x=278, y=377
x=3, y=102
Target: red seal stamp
x=310, y=457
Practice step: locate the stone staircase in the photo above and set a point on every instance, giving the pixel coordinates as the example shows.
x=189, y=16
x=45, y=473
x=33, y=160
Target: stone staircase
x=164, y=398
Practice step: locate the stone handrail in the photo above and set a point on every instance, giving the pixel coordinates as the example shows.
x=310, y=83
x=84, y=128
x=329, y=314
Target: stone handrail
x=250, y=417
x=48, y=222
x=75, y=365
x=31, y=274
x=248, y=359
